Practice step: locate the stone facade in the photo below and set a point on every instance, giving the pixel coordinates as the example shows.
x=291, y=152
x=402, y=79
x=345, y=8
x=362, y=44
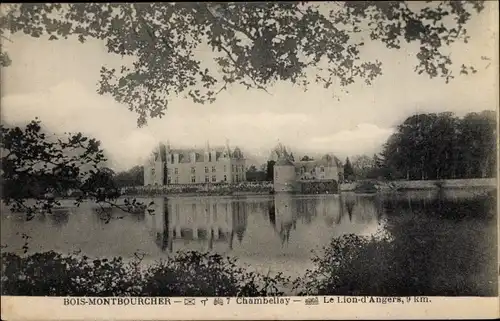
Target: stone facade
x=290, y=175
x=168, y=166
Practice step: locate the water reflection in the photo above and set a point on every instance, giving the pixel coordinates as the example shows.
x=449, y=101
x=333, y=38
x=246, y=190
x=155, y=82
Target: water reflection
x=207, y=222
x=276, y=231
x=221, y=224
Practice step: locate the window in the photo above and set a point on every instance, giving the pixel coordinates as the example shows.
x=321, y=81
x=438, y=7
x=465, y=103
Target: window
x=225, y=168
x=172, y=158
x=209, y=157
x=322, y=169
x=214, y=178
x=206, y=179
x=225, y=178
x=176, y=170
x=237, y=178
x=206, y=169
x=193, y=179
x=153, y=171
x=177, y=180
x=193, y=170
x=213, y=169
x=169, y=180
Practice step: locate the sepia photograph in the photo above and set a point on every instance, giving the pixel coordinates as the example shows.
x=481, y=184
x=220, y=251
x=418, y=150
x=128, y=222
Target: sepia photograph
x=234, y=154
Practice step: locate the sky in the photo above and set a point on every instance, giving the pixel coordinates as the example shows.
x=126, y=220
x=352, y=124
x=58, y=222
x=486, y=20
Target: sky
x=56, y=81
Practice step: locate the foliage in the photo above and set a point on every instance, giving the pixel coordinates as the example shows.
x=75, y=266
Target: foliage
x=362, y=165
x=252, y=44
x=260, y=187
x=342, y=268
x=37, y=168
x=186, y=274
x=435, y=146
x=348, y=170
x=52, y=274
x=442, y=248
x=131, y=177
x=438, y=146
x=197, y=274
x=365, y=187
x=306, y=158
x=34, y=163
x=372, y=168
x=254, y=175
x=270, y=171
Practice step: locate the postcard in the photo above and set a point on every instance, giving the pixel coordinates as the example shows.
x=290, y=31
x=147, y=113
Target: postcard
x=249, y=160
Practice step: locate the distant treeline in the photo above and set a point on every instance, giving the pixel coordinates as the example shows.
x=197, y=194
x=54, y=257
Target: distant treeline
x=132, y=177
x=434, y=146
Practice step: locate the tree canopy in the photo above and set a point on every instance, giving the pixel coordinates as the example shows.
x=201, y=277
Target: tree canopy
x=437, y=146
x=130, y=178
x=252, y=44
x=348, y=169
x=35, y=164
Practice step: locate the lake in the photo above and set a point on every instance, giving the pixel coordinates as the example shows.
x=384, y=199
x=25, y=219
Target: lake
x=273, y=233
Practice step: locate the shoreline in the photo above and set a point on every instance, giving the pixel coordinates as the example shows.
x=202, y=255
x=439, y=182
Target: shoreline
x=379, y=187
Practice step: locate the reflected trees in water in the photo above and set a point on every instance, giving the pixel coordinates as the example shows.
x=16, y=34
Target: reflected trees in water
x=426, y=247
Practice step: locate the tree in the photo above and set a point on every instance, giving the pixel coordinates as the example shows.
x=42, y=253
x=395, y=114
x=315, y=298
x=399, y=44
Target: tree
x=361, y=165
x=253, y=44
x=255, y=175
x=270, y=171
x=440, y=146
x=34, y=163
x=306, y=159
x=348, y=170
x=478, y=141
x=131, y=177
x=377, y=161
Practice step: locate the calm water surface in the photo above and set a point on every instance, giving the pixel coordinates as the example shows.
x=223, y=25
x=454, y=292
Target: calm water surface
x=269, y=233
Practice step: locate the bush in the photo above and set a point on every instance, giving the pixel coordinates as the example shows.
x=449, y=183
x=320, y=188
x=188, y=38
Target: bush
x=365, y=187
x=350, y=265
x=419, y=255
x=186, y=274
x=51, y=274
